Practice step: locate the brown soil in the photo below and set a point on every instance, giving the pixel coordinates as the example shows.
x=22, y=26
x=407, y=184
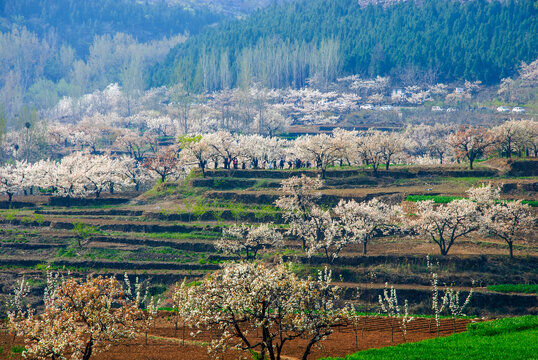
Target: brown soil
x=163, y=344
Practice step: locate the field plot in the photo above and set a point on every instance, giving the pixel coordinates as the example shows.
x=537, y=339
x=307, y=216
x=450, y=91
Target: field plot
x=165, y=342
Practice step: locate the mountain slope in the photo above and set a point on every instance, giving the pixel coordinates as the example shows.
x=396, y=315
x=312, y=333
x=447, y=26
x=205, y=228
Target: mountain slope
x=474, y=40
x=77, y=22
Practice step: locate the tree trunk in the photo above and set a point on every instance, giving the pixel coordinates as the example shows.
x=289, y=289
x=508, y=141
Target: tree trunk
x=308, y=349
x=511, y=247
x=88, y=350
x=364, y=244
x=183, y=334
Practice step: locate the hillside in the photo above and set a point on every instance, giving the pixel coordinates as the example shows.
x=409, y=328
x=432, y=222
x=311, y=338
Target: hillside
x=443, y=40
x=77, y=22
x=229, y=7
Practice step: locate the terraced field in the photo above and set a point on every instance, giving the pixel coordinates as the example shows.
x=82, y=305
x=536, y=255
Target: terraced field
x=169, y=233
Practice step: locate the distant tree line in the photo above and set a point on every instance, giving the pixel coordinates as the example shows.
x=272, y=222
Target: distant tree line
x=284, y=45
x=78, y=22
x=51, y=49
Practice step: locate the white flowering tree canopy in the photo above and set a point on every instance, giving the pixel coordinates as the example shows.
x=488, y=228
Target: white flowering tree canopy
x=81, y=318
x=243, y=239
x=244, y=296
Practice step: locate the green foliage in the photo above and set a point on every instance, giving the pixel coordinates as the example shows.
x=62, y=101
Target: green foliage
x=68, y=253
x=83, y=230
x=474, y=40
x=199, y=209
x=107, y=254
x=238, y=211
x=185, y=140
x=157, y=290
x=520, y=288
x=11, y=215
x=79, y=22
x=505, y=339
x=17, y=349
x=219, y=183
x=162, y=190
x=27, y=220
x=40, y=219
x=217, y=214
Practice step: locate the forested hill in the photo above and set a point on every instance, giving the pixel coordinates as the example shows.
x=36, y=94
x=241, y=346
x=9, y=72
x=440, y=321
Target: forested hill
x=229, y=7
x=283, y=44
x=77, y=22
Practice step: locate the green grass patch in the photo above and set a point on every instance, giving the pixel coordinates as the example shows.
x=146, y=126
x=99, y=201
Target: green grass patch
x=438, y=199
x=505, y=339
x=519, y=288
x=67, y=253
x=532, y=203
x=16, y=349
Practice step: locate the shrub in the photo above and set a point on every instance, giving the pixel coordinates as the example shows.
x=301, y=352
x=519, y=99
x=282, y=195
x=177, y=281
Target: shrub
x=40, y=219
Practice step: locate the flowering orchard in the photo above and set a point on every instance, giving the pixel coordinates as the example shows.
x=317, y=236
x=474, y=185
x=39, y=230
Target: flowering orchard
x=136, y=160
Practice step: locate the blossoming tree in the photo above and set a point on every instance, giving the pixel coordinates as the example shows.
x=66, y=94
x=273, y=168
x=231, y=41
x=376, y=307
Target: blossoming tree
x=249, y=240
x=471, y=143
x=298, y=197
x=273, y=300
x=80, y=319
x=361, y=222
x=444, y=224
x=509, y=221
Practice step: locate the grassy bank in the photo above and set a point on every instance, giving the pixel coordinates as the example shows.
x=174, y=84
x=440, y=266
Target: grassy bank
x=505, y=339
